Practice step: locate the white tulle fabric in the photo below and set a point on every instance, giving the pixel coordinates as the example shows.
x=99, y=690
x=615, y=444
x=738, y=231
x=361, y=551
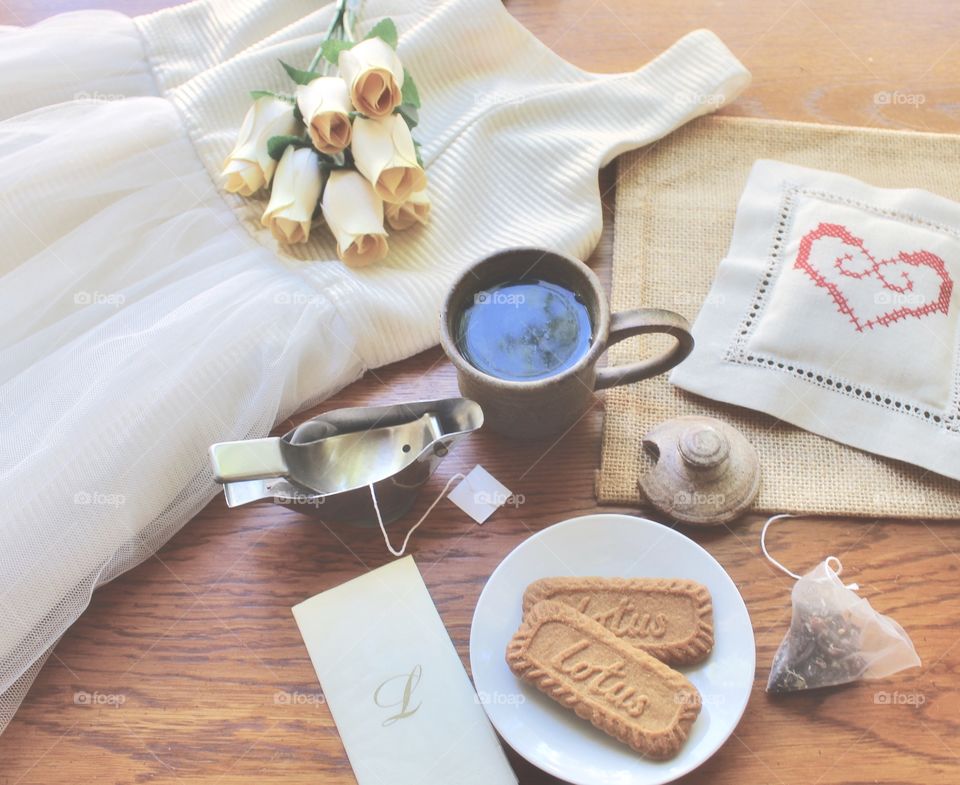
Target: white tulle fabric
x=138, y=324
x=145, y=315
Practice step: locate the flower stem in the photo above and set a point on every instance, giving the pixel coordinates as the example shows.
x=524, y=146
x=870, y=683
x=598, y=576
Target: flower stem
x=337, y=30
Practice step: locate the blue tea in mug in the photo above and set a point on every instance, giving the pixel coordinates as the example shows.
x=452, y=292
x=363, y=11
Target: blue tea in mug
x=525, y=330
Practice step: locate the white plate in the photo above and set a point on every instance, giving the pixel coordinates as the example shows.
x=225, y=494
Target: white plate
x=553, y=738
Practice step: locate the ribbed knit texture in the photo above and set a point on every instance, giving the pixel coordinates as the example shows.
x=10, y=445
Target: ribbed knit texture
x=145, y=314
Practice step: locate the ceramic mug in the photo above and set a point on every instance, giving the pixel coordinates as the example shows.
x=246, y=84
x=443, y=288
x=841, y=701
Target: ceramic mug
x=549, y=406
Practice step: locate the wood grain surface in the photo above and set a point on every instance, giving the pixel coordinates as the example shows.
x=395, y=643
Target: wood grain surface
x=190, y=668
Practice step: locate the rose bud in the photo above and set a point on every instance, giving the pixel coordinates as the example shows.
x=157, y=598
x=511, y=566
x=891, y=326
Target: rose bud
x=416, y=210
x=249, y=167
x=374, y=75
x=354, y=214
x=293, y=199
x=325, y=106
x=384, y=153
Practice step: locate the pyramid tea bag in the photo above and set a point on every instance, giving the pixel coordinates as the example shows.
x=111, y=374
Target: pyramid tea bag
x=835, y=636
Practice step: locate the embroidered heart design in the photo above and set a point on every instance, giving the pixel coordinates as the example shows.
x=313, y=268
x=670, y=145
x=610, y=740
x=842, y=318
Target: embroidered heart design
x=873, y=292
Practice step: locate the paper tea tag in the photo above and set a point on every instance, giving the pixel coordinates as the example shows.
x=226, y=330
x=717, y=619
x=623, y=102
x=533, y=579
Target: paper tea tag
x=403, y=704
x=479, y=494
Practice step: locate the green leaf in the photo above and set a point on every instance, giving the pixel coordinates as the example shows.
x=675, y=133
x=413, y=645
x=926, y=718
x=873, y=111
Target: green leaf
x=409, y=114
x=255, y=94
x=386, y=30
x=277, y=144
x=332, y=48
x=416, y=147
x=409, y=92
x=298, y=76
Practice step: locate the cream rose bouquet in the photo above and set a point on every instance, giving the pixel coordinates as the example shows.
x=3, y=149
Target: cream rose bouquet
x=340, y=146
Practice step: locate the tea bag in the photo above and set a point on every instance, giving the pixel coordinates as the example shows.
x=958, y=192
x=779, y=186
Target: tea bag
x=835, y=636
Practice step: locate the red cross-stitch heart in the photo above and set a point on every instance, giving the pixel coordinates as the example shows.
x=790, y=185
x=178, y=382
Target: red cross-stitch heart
x=859, y=276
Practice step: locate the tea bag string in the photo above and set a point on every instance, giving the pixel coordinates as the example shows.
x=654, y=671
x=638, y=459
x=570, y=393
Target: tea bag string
x=830, y=560
x=383, y=529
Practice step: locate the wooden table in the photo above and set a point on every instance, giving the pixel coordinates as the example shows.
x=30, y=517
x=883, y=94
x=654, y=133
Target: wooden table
x=193, y=668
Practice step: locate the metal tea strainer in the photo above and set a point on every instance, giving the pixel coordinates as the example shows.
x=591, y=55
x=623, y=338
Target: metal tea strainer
x=326, y=465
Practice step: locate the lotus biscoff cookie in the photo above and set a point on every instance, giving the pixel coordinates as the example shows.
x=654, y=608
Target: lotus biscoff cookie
x=670, y=618
x=619, y=688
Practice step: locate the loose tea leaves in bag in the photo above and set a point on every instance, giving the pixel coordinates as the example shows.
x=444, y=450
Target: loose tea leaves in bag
x=836, y=637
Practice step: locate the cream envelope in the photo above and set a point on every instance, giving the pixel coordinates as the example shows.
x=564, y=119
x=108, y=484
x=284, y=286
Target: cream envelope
x=403, y=704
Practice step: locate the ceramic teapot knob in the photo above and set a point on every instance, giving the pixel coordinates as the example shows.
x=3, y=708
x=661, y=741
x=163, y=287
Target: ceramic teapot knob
x=702, y=446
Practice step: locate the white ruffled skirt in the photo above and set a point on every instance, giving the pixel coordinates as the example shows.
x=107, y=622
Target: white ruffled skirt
x=139, y=323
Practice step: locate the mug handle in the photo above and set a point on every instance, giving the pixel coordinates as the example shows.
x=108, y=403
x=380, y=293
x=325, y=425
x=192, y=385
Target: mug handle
x=627, y=324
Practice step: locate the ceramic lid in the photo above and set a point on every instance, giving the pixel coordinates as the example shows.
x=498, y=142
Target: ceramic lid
x=706, y=472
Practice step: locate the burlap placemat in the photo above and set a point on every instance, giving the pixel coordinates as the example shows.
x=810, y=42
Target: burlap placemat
x=675, y=208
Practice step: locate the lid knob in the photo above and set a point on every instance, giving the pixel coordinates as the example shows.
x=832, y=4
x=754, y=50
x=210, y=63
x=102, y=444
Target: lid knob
x=703, y=447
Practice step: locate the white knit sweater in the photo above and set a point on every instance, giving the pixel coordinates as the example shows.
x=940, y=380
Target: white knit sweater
x=512, y=135
x=145, y=314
